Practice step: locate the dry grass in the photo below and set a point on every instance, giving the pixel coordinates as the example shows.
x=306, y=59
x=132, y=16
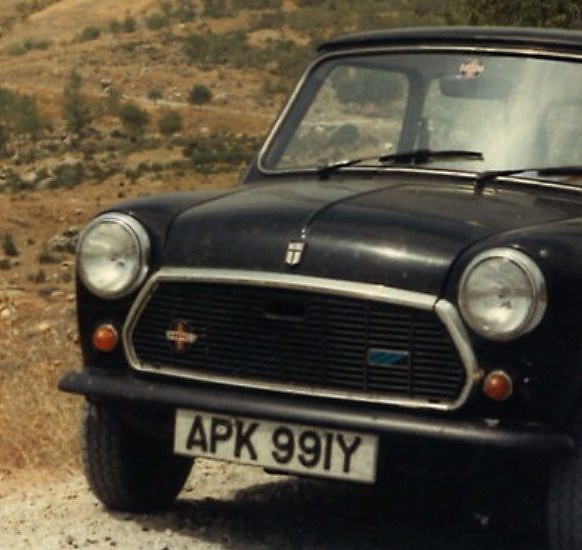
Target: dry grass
x=37, y=423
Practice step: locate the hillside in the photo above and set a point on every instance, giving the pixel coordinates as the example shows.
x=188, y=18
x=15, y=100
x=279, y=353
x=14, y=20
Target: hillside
x=210, y=75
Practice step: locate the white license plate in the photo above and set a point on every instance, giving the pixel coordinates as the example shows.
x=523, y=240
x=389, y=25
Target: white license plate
x=281, y=446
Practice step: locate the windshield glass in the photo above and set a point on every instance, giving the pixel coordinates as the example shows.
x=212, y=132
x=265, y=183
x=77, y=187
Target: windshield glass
x=517, y=111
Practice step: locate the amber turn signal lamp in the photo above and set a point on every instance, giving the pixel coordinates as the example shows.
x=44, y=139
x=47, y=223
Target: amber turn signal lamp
x=498, y=386
x=105, y=338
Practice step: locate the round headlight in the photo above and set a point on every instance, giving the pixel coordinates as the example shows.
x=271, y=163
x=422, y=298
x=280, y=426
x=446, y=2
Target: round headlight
x=502, y=294
x=112, y=255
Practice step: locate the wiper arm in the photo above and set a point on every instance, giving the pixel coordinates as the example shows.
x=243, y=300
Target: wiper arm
x=491, y=175
x=420, y=156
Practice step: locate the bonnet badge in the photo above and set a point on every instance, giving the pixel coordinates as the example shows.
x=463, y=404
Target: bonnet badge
x=294, y=253
x=180, y=336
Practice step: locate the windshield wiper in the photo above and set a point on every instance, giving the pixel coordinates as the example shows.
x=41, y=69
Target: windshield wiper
x=420, y=156
x=491, y=175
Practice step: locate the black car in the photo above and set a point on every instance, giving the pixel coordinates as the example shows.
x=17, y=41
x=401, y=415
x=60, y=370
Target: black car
x=401, y=266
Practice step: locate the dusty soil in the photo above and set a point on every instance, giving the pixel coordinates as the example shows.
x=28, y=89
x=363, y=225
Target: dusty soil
x=229, y=506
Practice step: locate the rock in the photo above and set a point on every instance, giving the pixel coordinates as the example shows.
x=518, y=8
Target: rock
x=6, y=313
x=65, y=241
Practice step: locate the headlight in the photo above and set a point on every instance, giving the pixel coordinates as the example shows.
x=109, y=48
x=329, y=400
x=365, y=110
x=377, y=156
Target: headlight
x=112, y=255
x=502, y=294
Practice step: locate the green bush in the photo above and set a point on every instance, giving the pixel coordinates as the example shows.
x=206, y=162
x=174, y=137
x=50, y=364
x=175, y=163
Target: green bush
x=76, y=111
x=9, y=246
x=216, y=8
x=20, y=48
x=19, y=113
x=89, y=33
x=219, y=152
x=129, y=24
x=184, y=11
x=170, y=123
x=156, y=21
x=154, y=94
x=68, y=176
x=200, y=94
x=115, y=26
x=133, y=119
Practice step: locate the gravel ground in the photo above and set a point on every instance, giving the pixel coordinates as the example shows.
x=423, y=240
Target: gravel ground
x=228, y=506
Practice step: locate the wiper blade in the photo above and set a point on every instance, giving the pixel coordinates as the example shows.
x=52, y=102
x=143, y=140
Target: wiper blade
x=420, y=156
x=491, y=175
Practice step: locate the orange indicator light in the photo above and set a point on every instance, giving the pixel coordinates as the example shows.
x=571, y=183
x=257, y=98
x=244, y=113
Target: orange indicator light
x=105, y=338
x=498, y=386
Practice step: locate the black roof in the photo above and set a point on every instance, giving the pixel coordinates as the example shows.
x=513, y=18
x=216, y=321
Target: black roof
x=509, y=36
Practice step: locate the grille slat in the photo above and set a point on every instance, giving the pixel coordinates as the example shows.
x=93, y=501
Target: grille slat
x=298, y=338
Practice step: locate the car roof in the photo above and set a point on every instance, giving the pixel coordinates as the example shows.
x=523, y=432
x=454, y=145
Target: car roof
x=499, y=36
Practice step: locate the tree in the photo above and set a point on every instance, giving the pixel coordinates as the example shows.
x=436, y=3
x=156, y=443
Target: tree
x=76, y=112
x=133, y=118
x=531, y=13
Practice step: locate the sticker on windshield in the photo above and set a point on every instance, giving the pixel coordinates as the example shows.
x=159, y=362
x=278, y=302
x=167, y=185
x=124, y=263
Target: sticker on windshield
x=471, y=68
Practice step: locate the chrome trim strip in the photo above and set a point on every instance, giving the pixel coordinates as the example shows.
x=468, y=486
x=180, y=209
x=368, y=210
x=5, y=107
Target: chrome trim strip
x=445, y=311
x=510, y=50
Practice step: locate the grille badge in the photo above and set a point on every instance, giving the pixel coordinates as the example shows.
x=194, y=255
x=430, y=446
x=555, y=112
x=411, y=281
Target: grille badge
x=294, y=254
x=180, y=336
x=378, y=357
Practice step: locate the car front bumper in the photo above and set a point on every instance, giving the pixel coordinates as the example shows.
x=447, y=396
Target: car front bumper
x=128, y=389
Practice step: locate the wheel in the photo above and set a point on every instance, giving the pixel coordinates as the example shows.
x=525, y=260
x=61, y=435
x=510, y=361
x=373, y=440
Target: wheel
x=565, y=503
x=127, y=470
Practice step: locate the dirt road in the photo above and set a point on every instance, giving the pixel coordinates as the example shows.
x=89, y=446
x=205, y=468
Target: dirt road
x=225, y=506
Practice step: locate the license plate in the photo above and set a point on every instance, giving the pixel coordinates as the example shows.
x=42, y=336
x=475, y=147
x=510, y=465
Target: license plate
x=281, y=446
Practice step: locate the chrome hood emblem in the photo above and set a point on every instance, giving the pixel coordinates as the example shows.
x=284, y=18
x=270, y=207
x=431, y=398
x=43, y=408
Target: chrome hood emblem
x=294, y=253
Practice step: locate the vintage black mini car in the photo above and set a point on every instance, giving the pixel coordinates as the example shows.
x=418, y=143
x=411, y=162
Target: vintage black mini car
x=400, y=266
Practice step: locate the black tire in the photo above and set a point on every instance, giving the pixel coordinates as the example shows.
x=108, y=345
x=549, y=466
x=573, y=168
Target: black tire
x=565, y=503
x=126, y=470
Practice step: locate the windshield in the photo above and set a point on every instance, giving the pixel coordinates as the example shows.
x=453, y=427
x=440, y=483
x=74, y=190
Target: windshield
x=517, y=111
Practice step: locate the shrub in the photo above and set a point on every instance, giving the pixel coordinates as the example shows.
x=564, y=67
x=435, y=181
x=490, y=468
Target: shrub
x=19, y=113
x=129, y=24
x=9, y=246
x=155, y=94
x=133, y=118
x=156, y=21
x=170, y=123
x=4, y=137
x=216, y=8
x=200, y=94
x=45, y=256
x=68, y=175
x=115, y=26
x=76, y=112
x=184, y=11
x=89, y=33
x=220, y=151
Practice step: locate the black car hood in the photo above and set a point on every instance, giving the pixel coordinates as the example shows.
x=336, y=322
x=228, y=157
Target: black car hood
x=404, y=234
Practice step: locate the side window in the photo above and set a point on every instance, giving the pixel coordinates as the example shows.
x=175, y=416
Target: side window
x=358, y=112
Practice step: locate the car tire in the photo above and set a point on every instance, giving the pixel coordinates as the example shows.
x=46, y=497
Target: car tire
x=127, y=470
x=565, y=503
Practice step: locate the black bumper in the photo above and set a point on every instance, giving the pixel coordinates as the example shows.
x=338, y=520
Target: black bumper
x=129, y=389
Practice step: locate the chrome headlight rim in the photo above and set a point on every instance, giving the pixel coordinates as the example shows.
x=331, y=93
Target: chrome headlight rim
x=141, y=238
x=536, y=281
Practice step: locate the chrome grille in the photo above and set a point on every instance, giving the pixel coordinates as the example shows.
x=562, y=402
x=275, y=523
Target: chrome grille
x=296, y=338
